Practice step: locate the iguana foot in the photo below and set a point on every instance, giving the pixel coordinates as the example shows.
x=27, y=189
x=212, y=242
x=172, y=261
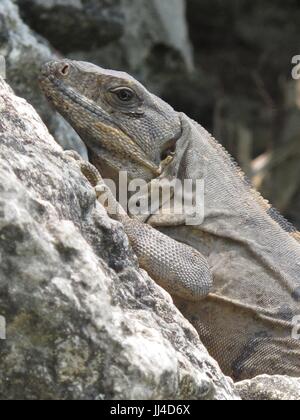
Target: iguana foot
x=73, y=155
x=90, y=172
x=180, y=269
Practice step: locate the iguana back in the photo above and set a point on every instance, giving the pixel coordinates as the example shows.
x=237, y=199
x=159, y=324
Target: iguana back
x=254, y=254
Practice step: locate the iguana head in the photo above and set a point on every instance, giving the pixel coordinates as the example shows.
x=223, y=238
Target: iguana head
x=124, y=126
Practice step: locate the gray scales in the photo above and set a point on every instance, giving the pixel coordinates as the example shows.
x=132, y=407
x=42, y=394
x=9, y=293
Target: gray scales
x=238, y=276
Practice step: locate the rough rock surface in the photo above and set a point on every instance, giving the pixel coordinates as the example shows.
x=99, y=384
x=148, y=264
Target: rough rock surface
x=148, y=38
x=270, y=388
x=83, y=322
x=75, y=24
x=24, y=53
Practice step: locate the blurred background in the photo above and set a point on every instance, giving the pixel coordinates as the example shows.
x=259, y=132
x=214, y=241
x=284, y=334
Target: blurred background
x=227, y=64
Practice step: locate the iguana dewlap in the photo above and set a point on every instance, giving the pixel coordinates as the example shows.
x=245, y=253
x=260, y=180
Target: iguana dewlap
x=248, y=320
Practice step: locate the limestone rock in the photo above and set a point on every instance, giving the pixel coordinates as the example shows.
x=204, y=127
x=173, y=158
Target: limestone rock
x=82, y=321
x=148, y=38
x=270, y=388
x=24, y=53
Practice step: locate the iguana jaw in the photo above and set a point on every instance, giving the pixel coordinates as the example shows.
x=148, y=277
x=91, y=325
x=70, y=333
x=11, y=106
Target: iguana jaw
x=108, y=133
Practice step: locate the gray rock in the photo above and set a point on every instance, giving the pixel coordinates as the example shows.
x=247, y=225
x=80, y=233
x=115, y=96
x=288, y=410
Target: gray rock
x=148, y=38
x=270, y=388
x=72, y=25
x=24, y=53
x=155, y=27
x=83, y=322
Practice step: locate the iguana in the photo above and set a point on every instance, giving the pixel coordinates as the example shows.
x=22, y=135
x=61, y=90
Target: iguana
x=236, y=275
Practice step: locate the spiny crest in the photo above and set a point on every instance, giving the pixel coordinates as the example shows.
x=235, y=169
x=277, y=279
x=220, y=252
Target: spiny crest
x=274, y=214
x=285, y=224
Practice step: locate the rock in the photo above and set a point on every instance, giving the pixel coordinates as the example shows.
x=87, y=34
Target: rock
x=24, y=53
x=82, y=321
x=72, y=25
x=148, y=38
x=270, y=388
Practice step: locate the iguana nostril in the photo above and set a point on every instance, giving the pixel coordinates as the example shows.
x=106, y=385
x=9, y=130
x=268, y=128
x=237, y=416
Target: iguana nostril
x=65, y=70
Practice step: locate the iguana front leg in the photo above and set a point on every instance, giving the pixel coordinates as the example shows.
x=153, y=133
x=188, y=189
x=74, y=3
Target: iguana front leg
x=178, y=268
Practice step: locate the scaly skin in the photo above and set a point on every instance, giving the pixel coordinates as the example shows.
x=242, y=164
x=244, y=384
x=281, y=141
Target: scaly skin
x=246, y=322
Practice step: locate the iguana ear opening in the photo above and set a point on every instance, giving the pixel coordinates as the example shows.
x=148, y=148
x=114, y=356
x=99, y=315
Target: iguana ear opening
x=173, y=163
x=168, y=151
x=185, y=135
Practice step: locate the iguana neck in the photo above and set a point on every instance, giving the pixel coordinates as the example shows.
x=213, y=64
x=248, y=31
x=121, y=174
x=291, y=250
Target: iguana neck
x=233, y=210
x=228, y=192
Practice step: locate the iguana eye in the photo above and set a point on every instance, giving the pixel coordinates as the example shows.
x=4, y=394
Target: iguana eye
x=124, y=94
